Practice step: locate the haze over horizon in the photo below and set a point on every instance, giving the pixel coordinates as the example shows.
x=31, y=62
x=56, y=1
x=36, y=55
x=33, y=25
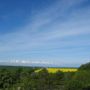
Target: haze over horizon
x=45, y=32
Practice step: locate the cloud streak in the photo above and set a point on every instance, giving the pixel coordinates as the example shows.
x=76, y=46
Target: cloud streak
x=51, y=27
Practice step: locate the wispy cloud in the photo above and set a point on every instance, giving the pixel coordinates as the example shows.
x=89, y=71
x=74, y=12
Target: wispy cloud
x=49, y=27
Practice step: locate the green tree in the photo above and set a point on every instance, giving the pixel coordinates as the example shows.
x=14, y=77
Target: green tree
x=74, y=85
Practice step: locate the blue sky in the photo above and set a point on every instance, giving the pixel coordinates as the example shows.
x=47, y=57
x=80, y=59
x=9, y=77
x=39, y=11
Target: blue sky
x=45, y=32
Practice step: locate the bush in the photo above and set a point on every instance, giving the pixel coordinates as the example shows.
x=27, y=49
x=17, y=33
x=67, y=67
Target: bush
x=85, y=66
x=74, y=85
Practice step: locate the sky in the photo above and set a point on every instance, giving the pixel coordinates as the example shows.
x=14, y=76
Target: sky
x=45, y=32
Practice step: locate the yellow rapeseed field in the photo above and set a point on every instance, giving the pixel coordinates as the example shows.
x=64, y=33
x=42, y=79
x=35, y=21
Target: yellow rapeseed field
x=54, y=70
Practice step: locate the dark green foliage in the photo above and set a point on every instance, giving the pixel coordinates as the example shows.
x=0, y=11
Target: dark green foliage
x=59, y=75
x=11, y=77
x=85, y=66
x=86, y=87
x=25, y=78
x=81, y=79
x=74, y=85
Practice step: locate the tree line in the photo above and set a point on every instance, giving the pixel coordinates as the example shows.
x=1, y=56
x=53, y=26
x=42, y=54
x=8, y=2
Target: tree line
x=25, y=78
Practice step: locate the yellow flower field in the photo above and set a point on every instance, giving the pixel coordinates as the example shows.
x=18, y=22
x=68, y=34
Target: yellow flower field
x=54, y=70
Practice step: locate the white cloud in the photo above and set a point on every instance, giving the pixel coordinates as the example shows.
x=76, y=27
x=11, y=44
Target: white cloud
x=34, y=34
